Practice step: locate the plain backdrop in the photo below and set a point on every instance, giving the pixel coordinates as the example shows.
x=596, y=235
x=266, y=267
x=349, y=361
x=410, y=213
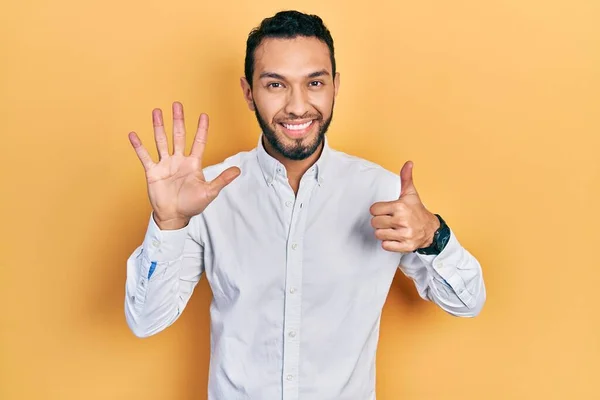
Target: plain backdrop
x=496, y=102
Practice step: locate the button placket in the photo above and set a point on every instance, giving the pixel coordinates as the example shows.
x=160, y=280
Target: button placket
x=293, y=298
x=293, y=302
x=292, y=315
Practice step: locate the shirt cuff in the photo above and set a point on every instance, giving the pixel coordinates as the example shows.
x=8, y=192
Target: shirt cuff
x=448, y=265
x=164, y=245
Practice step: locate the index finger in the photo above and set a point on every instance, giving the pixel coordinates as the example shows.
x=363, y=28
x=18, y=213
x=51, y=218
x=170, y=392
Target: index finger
x=382, y=208
x=200, y=138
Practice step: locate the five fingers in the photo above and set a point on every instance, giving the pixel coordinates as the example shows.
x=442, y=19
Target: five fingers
x=160, y=137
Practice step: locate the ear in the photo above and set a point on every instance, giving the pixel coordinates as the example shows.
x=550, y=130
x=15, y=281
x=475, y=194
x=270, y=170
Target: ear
x=247, y=91
x=336, y=83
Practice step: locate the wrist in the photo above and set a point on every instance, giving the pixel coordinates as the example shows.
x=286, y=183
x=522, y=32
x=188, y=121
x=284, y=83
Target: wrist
x=170, y=224
x=433, y=225
x=441, y=237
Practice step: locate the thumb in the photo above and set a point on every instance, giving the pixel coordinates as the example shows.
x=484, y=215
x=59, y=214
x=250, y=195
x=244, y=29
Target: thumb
x=406, y=180
x=224, y=179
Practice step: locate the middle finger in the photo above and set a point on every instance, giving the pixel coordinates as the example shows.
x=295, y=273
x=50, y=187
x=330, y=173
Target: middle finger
x=382, y=222
x=178, y=129
x=160, y=137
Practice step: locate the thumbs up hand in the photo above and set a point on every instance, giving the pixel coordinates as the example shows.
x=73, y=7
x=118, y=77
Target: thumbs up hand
x=404, y=225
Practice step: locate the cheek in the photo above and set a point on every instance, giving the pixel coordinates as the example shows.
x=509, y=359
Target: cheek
x=269, y=105
x=322, y=102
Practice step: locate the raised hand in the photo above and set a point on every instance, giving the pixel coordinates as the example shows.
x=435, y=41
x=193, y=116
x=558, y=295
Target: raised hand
x=404, y=225
x=176, y=185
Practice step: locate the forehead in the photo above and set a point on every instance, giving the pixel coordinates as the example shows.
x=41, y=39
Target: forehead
x=299, y=56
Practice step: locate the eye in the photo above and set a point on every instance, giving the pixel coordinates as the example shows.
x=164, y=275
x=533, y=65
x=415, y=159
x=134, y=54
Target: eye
x=316, y=84
x=274, y=85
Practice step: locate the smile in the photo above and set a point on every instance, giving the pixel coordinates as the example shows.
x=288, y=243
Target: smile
x=297, y=127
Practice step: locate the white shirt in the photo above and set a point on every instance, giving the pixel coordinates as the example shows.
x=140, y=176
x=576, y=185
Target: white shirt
x=298, y=282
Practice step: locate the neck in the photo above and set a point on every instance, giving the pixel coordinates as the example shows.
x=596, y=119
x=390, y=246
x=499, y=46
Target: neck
x=295, y=168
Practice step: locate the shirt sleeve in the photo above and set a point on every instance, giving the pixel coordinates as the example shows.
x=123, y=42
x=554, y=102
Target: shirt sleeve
x=452, y=279
x=161, y=275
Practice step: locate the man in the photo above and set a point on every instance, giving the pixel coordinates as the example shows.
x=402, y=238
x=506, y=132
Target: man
x=299, y=242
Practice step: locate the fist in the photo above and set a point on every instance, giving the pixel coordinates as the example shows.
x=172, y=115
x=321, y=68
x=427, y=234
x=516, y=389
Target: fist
x=404, y=225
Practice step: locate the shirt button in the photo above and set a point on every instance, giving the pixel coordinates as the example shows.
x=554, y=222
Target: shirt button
x=293, y=290
x=288, y=203
x=155, y=243
x=142, y=283
x=294, y=246
x=290, y=377
x=292, y=334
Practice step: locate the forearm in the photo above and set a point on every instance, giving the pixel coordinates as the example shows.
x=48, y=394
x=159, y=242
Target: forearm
x=161, y=275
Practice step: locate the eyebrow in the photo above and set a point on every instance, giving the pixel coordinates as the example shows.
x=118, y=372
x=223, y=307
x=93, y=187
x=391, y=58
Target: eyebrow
x=274, y=75
x=317, y=74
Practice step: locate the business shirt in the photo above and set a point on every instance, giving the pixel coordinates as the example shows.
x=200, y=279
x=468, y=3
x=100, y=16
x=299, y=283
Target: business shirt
x=298, y=281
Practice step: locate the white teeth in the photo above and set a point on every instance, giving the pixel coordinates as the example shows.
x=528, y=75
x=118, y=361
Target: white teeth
x=297, y=127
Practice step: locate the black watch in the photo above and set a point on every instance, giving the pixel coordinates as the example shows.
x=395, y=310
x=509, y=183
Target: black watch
x=440, y=239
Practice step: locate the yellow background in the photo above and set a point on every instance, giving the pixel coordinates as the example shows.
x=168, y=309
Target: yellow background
x=496, y=102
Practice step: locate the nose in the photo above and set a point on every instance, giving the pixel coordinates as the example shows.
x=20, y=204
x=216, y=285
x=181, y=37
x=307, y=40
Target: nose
x=297, y=103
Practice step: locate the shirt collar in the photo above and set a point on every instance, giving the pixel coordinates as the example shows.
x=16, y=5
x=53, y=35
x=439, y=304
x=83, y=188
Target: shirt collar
x=271, y=167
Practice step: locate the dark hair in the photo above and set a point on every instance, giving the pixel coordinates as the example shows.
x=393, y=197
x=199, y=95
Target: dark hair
x=288, y=25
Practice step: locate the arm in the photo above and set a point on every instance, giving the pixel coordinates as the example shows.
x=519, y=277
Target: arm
x=452, y=279
x=163, y=271
x=161, y=276
x=443, y=272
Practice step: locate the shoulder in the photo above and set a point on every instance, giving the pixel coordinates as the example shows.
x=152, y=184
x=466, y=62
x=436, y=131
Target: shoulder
x=365, y=175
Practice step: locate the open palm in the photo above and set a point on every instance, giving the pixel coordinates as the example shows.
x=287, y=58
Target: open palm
x=176, y=185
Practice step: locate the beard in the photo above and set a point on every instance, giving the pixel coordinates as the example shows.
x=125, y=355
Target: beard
x=297, y=151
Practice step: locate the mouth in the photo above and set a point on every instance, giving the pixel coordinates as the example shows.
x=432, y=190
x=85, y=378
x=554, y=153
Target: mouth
x=297, y=130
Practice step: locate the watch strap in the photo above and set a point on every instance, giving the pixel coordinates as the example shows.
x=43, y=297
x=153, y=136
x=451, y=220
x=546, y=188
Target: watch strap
x=440, y=239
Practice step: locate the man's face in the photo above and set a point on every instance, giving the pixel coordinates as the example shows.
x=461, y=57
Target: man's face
x=293, y=94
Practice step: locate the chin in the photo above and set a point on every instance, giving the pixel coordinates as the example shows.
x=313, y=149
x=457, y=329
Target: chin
x=296, y=147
